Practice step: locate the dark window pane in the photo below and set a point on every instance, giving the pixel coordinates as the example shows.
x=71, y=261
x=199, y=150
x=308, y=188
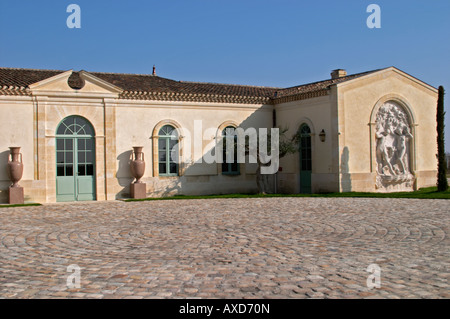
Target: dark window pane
x=88, y=129
x=162, y=143
x=225, y=167
x=307, y=165
x=69, y=144
x=75, y=125
x=60, y=144
x=81, y=170
x=60, y=157
x=232, y=154
x=172, y=143
x=305, y=130
x=81, y=144
x=90, y=170
x=69, y=157
x=162, y=156
x=90, y=144
x=89, y=157
x=61, y=129
x=60, y=170
x=81, y=157
x=235, y=167
x=70, y=120
x=173, y=168
x=174, y=156
x=163, y=130
x=70, y=130
x=168, y=130
x=162, y=168
x=69, y=170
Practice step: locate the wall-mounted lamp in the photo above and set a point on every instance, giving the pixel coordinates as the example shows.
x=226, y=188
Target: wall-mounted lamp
x=322, y=136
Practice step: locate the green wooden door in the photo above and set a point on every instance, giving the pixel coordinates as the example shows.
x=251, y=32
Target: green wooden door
x=75, y=160
x=305, y=159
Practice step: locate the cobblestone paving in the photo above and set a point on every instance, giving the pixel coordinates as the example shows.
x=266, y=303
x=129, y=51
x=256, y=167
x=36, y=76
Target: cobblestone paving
x=227, y=248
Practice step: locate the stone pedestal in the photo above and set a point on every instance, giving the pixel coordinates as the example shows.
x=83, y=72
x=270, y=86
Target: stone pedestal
x=16, y=195
x=138, y=190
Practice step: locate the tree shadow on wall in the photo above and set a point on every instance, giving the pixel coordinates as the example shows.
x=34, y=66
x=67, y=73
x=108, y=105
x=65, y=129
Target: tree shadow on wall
x=123, y=174
x=170, y=185
x=4, y=158
x=198, y=176
x=4, y=176
x=346, y=181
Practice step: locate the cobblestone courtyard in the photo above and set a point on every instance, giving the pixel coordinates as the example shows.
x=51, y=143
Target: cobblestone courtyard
x=227, y=248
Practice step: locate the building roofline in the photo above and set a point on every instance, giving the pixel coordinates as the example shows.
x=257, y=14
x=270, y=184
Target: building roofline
x=200, y=90
x=393, y=68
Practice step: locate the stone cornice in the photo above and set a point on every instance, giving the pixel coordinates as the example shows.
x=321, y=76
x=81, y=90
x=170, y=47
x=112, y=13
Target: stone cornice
x=183, y=97
x=180, y=97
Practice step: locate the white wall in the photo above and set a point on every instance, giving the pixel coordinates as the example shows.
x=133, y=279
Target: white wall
x=16, y=129
x=317, y=113
x=135, y=124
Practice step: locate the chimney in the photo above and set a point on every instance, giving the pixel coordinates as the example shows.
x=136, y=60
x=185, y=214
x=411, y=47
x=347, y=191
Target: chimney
x=339, y=73
x=154, y=70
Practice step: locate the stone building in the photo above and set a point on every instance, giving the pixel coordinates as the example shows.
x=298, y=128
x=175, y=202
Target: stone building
x=373, y=131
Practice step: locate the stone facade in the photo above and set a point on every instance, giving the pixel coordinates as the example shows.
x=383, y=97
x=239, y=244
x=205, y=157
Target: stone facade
x=378, y=132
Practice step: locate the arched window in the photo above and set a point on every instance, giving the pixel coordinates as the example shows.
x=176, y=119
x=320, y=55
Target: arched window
x=305, y=147
x=75, y=125
x=229, y=166
x=168, y=151
x=305, y=159
x=75, y=160
x=75, y=148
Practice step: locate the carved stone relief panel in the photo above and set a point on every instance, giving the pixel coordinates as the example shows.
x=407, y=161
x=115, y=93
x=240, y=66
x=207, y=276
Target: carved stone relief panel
x=393, y=149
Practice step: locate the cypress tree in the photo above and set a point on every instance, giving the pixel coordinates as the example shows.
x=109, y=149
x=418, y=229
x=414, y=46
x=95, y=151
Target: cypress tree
x=442, y=183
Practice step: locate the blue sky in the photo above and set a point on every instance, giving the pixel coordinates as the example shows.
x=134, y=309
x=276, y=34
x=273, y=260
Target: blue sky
x=271, y=43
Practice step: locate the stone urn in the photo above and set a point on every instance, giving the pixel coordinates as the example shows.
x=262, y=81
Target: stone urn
x=137, y=164
x=15, y=166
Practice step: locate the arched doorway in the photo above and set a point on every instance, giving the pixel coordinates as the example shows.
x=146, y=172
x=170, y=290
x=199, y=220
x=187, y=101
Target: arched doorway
x=305, y=159
x=75, y=160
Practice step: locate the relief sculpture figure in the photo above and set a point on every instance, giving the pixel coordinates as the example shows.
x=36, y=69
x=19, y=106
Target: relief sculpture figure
x=382, y=153
x=403, y=135
x=392, y=136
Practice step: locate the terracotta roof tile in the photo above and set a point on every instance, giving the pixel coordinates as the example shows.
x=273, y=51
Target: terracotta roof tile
x=317, y=86
x=155, y=84
x=152, y=87
x=24, y=77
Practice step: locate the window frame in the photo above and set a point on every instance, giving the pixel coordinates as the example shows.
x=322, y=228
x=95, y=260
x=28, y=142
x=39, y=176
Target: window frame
x=305, y=137
x=167, y=138
x=229, y=166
